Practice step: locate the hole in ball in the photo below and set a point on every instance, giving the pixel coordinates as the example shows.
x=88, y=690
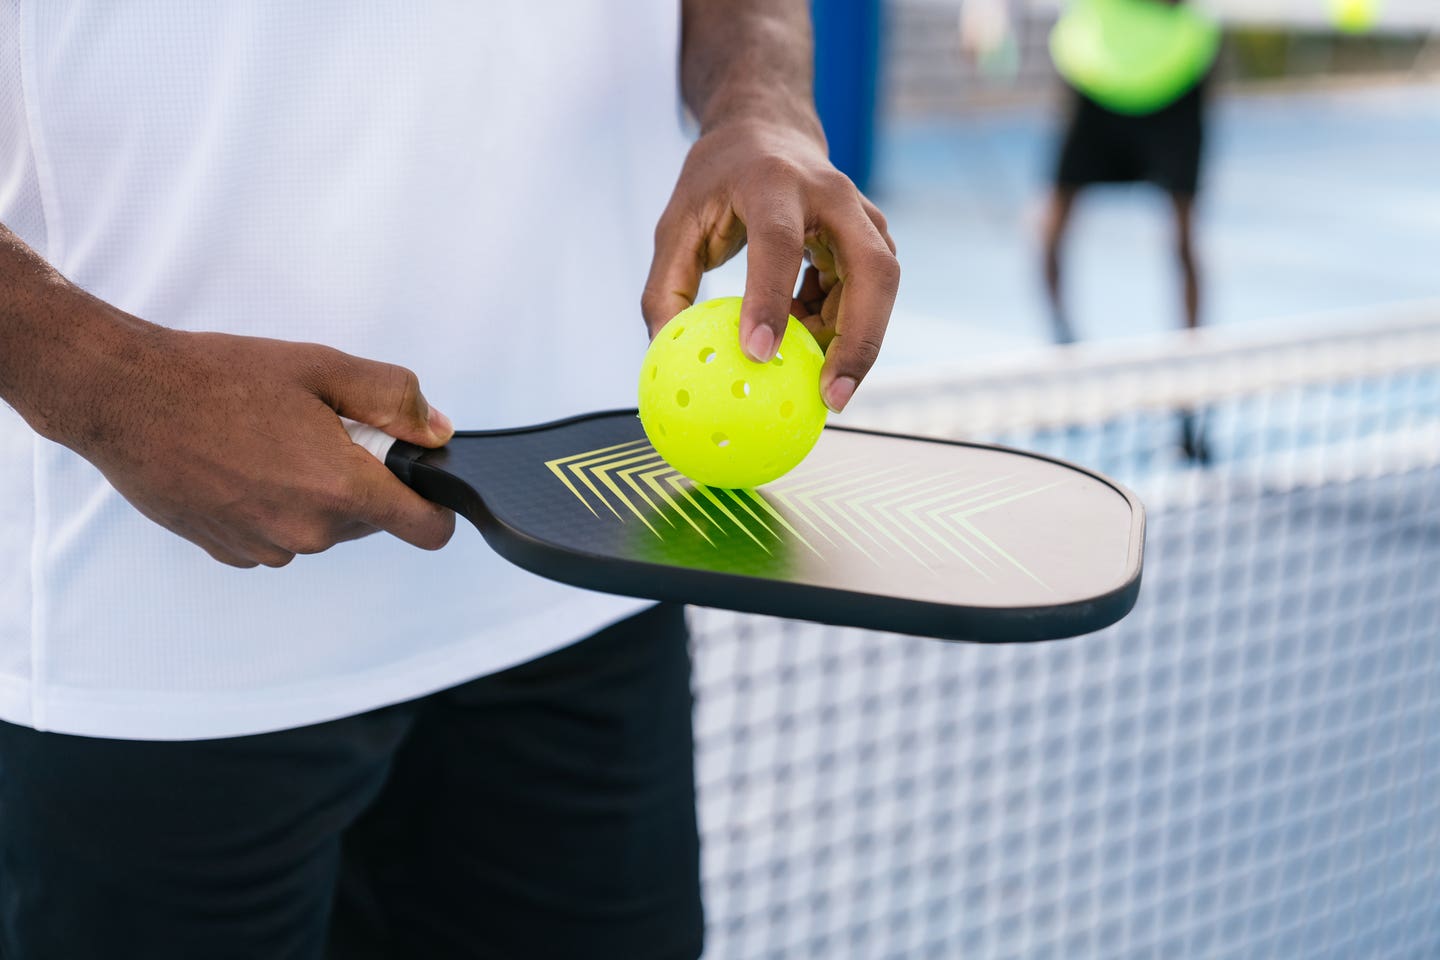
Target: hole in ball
x=787, y=408
x=779, y=360
x=676, y=334
x=654, y=370
x=707, y=355
x=720, y=439
x=741, y=389
x=683, y=398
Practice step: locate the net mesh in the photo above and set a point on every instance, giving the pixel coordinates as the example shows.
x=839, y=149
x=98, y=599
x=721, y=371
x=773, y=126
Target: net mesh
x=1246, y=766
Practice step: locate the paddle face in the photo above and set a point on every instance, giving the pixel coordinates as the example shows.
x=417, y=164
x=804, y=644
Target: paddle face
x=949, y=540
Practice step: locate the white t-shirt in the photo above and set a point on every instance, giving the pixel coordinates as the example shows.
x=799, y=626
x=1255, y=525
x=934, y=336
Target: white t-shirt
x=467, y=189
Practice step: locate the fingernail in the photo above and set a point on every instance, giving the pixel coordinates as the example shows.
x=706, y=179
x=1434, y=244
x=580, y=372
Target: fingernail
x=760, y=345
x=841, y=390
x=440, y=424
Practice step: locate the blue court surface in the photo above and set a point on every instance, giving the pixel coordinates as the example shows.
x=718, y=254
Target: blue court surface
x=1315, y=202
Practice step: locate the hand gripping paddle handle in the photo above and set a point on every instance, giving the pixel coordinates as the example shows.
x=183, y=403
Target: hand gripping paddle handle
x=398, y=455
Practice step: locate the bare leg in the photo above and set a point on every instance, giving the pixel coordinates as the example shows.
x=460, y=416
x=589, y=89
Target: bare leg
x=1184, y=206
x=1192, y=436
x=1057, y=218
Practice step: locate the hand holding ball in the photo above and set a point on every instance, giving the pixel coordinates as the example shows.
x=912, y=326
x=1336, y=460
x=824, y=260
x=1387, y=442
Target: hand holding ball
x=717, y=416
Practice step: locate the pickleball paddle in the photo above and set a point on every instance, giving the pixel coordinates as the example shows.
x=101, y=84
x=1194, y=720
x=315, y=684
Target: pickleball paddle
x=959, y=541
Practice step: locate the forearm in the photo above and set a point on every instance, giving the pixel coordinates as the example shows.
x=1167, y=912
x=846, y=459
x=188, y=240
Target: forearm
x=59, y=346
x=749, y=60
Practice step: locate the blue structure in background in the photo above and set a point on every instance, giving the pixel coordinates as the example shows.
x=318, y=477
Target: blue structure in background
x=847, y=63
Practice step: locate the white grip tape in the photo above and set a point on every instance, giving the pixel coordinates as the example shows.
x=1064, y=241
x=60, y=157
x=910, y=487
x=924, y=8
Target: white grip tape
x=373, y=439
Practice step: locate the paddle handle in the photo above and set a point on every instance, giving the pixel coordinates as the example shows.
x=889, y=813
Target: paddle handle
x=398, y=455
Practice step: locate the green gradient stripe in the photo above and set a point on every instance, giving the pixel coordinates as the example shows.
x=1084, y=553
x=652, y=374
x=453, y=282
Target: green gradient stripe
x=709, y=494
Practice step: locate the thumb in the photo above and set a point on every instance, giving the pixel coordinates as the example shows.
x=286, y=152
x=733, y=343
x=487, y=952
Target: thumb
x=386, y=396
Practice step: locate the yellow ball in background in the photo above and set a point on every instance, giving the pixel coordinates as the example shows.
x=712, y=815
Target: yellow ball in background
x=1354, y=16
x=718, y=417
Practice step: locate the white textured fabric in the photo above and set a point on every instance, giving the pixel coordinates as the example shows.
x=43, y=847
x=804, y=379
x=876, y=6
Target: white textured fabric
x=467, y=189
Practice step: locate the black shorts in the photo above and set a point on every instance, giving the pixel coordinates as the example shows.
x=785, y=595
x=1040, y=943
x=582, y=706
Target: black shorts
x=1164, y=148
x=546, y=811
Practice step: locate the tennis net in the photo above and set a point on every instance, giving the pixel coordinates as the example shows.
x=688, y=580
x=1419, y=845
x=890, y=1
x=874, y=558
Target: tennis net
x=1246, y=766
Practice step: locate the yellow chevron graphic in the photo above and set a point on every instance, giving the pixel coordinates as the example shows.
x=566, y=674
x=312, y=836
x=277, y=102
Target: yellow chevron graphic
x=764, y=504
x=912, y=511
x=587, y=459
x=887, y=513
x=803, y=503
x=686, y=490
x=857, y=507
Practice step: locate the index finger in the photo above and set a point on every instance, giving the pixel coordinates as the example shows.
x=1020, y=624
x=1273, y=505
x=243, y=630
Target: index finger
x=775, y=234
x=870, y=279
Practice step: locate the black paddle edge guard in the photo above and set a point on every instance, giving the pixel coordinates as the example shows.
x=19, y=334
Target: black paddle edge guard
x=825, y=605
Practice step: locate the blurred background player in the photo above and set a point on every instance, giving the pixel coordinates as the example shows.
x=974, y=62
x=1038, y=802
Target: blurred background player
x=1136, y=72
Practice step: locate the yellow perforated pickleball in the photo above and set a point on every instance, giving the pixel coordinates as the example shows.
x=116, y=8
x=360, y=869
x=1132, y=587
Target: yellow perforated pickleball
x=717, y=416
x=1354, y=16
